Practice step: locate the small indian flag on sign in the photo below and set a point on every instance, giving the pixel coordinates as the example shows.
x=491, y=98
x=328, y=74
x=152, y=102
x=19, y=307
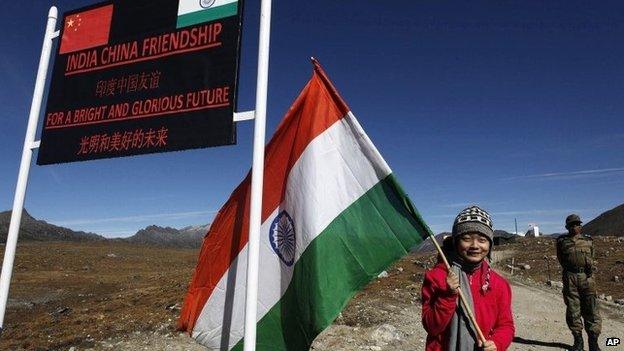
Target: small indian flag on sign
x=192, y=12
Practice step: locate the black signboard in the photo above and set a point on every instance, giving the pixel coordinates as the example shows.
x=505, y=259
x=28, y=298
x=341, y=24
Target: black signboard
x=142, y=76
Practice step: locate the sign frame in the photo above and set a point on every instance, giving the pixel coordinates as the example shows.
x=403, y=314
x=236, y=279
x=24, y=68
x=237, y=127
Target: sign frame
x=125, y=90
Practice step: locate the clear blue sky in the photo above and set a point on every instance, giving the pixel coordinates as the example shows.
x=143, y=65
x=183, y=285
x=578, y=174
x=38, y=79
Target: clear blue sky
x=516, y=106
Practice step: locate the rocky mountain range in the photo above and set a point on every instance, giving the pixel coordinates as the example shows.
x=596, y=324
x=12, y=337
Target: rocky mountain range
x=188, y=237
x=608, y=223
x=32, y=229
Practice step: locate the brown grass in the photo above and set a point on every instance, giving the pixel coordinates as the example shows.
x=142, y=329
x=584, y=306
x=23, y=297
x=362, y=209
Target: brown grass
x=74, y=293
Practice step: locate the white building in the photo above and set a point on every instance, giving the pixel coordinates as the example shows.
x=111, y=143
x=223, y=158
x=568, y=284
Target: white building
x=533, y=231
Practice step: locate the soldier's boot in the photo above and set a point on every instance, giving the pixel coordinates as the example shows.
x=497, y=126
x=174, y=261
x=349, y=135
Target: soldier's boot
x=578, y=342
x=593, y=342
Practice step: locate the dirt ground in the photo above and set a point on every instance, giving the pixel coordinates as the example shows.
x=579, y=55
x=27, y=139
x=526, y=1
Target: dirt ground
x=74, y=294
x=123, y=297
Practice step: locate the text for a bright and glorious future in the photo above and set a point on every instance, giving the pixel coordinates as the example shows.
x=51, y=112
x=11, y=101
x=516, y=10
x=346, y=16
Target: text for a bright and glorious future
x=158, y=106
x=167, y=44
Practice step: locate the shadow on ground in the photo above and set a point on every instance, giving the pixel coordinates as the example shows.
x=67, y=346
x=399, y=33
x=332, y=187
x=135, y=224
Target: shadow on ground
x=559, y=345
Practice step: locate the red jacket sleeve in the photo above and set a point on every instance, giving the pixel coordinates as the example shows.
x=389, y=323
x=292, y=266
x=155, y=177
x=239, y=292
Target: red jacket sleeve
x=438, y=305
x=503, y=331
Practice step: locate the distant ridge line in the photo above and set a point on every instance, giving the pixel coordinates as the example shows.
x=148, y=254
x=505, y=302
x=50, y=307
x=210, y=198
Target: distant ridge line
x=34, y=230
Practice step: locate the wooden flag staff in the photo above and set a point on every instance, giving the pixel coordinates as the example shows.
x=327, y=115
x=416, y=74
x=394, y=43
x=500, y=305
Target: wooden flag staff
x=464, y=303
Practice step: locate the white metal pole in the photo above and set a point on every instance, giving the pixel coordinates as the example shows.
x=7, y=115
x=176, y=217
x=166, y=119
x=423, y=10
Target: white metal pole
x=257, y=173
x=22, y=178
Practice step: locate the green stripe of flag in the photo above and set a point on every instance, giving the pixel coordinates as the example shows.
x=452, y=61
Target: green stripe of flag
x=207, y=15
x=365, y=239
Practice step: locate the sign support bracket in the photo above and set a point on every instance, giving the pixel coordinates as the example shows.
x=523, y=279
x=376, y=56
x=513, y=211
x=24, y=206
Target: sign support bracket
x=24, y=170
x=244, y=116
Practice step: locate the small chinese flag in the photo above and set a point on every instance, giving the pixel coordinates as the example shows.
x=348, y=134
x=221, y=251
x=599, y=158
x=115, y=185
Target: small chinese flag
x=86, y=29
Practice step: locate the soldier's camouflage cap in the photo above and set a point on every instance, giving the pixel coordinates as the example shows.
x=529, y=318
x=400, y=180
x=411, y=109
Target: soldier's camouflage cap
x=572, y=219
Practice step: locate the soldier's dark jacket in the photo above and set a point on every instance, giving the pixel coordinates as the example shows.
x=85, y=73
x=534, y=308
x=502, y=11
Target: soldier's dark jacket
x=576, y=253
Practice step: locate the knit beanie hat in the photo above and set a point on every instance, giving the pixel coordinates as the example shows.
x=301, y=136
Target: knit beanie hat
x=474, y=220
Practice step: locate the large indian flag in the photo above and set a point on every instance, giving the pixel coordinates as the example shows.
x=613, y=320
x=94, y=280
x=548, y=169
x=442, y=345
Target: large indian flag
x=333, y=218
x=192, y=12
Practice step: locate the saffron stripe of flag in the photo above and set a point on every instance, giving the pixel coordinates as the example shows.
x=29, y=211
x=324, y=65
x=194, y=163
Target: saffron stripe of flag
x=334, y=216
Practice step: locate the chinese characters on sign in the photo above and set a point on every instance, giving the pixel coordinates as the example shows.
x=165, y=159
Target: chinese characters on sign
x=128, y=140
x=127, y=84
x=136, y=77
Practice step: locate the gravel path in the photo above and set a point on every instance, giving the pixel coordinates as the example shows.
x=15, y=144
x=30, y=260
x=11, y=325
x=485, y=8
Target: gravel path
x=540, y=320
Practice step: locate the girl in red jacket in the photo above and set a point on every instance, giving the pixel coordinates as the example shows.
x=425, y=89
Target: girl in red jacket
x=489, y=295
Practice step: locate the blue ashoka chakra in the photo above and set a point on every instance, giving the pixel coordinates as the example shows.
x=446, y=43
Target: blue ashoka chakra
x=206, y=3
x=282, y=238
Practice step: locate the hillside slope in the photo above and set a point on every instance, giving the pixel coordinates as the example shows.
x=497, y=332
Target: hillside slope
x=607, y=223
x=32, y=229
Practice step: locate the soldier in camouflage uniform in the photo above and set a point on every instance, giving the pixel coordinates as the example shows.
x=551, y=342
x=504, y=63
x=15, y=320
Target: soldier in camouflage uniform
x=575, y=253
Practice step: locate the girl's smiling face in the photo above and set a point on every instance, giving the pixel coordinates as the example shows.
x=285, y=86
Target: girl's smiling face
x=472, y=247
